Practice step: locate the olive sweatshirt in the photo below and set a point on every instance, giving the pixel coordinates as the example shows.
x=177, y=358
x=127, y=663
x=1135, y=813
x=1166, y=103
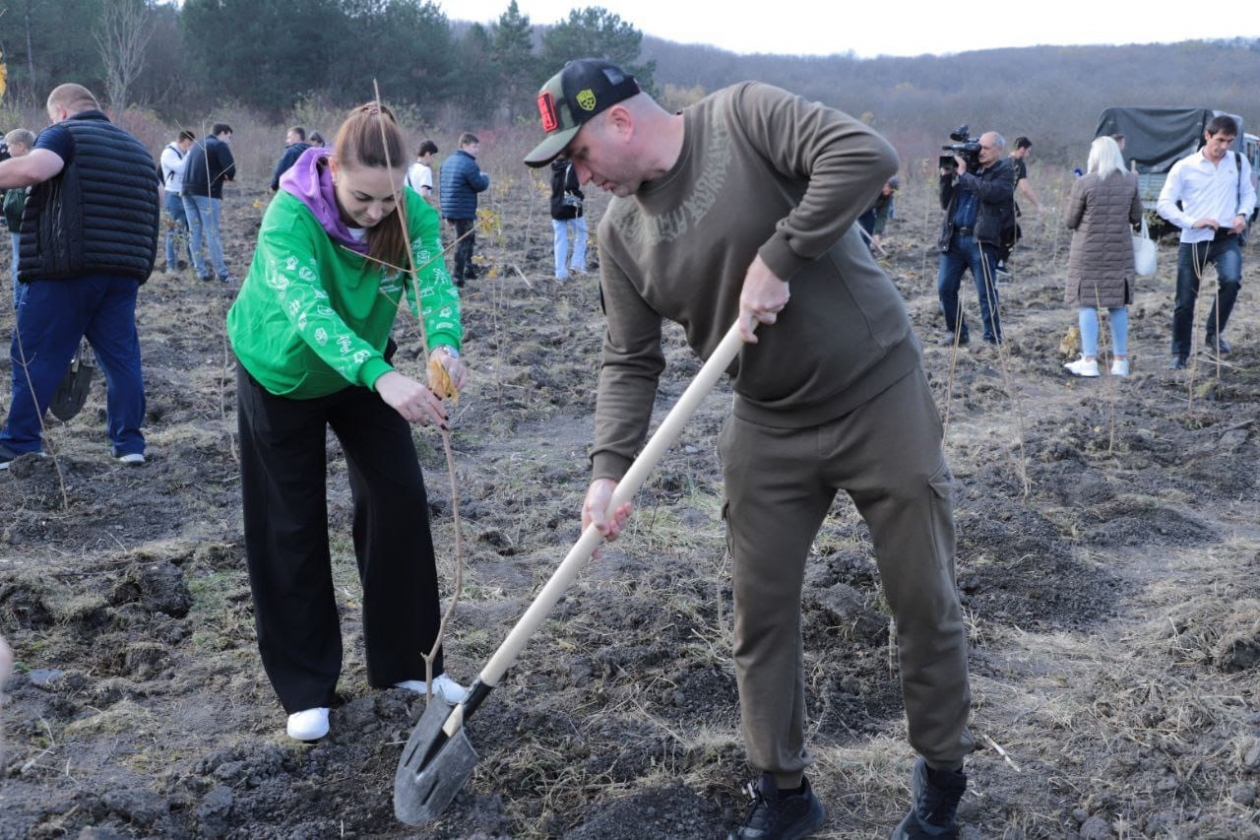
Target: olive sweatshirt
x=761, y=171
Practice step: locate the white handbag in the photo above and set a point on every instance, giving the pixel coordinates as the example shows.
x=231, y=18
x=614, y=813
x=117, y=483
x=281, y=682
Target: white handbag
x=1145, y=254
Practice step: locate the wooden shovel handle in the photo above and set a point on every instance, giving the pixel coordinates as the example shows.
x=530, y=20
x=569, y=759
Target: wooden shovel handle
x=647, y=460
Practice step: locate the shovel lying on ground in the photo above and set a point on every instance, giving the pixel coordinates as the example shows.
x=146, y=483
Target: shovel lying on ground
x=438, y=757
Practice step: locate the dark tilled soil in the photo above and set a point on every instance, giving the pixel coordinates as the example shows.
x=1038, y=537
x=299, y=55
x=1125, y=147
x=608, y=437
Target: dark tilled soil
x=1108, y=551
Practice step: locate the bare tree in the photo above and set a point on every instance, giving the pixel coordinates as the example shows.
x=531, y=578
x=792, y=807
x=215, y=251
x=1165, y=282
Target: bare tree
x=122, y=36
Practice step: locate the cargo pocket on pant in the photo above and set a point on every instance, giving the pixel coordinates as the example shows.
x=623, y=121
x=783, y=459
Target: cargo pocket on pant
x=942, y=482
x=944, y=537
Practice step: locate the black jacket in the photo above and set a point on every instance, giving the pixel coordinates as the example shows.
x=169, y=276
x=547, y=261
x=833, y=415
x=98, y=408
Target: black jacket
x=209, y=163
x=995, y=217
x=564, y=185
x=100, y=214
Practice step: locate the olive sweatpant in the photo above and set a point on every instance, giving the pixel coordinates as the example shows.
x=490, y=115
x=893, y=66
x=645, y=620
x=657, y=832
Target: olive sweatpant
x=780, y=483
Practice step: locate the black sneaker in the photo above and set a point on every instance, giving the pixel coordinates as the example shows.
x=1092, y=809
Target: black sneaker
x=936, y=796
x=773, y=816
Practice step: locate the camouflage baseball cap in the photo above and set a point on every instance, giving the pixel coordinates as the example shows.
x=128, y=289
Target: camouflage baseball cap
x=584, y=88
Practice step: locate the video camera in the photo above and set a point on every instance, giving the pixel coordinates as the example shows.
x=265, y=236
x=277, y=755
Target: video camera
x=964, y=146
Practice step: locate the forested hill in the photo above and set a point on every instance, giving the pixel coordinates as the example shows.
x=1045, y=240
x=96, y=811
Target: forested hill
x=1053, y=94
x=182, y=60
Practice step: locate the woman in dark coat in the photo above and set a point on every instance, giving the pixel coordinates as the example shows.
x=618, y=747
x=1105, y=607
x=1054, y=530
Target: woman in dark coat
x=1103, y=209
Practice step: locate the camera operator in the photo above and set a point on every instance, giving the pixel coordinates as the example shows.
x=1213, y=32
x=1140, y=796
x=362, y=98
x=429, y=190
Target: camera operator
x=979, y=203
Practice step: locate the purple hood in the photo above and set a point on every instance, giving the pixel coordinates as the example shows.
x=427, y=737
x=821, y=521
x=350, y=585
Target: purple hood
x=310, y=181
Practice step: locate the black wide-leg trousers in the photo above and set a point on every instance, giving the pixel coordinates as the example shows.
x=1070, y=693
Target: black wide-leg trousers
x=283, y=487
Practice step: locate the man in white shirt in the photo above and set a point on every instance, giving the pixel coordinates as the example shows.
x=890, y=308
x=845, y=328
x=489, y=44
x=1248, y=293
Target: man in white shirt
x=420, y=174
x=1209, y=195
x=175, y=219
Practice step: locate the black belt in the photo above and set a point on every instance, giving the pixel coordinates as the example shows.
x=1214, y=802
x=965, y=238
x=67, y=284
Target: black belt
x=964, y=231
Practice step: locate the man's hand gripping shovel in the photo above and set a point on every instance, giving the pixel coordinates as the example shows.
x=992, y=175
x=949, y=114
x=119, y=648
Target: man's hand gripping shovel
x=438, y=757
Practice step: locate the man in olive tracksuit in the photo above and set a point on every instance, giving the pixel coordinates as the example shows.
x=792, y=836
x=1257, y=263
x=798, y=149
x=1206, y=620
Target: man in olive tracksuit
x=722, y=213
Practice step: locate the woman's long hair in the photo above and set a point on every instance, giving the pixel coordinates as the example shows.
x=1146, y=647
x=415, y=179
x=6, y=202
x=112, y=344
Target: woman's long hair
x=370, y=137
x=1105, y=157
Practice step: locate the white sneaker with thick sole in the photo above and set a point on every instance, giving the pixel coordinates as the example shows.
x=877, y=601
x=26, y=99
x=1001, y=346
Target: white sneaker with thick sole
x=309, y=725
x=132, y=459
x=1082, y=367
x=452, y=692
x=1120, y=367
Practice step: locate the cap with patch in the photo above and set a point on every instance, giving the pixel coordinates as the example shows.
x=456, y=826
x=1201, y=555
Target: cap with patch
x=584, y=88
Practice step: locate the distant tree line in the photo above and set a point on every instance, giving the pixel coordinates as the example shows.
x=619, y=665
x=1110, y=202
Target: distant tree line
x=271, y=55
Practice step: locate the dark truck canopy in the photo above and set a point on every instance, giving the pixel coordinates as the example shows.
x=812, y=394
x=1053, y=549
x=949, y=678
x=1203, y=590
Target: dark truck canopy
x=1156, y=138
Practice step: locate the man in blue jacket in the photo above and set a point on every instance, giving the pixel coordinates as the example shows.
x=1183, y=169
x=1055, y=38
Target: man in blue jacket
x=89, y=238
x=209, y=163
x=294, y=144
x=461, y=180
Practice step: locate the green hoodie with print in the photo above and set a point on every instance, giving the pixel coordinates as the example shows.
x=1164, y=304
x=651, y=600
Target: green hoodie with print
x=313, y=317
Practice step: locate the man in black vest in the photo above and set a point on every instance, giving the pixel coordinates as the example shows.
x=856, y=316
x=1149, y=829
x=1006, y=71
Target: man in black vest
x=89, y=238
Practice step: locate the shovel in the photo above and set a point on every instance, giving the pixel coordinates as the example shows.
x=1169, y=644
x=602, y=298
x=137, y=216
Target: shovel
x=439, y=758
x=73, y=390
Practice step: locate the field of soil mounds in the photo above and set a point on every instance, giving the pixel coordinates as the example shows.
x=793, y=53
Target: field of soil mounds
x=1109, y=566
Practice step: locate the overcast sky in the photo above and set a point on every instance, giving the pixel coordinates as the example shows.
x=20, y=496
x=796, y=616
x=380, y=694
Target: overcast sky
x=903, y=27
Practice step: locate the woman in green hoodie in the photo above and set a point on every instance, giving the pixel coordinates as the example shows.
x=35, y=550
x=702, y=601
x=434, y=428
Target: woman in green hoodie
x=311, y=332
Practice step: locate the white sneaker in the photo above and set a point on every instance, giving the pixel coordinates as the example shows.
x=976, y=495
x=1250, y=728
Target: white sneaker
x=132, y=459
x=1120, y=367
x=452, y=692
x=310, y=725
x=1083, y=367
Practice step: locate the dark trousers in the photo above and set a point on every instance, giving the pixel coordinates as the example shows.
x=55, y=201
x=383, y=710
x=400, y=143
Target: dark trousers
x=464, y=250
x=780, y=483
x=283, y=476
x=1193, y=259
x=53, y=317
x=966, y=253
x=867, y=221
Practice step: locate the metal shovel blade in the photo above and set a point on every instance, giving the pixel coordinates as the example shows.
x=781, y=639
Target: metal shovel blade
x=433, y=767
